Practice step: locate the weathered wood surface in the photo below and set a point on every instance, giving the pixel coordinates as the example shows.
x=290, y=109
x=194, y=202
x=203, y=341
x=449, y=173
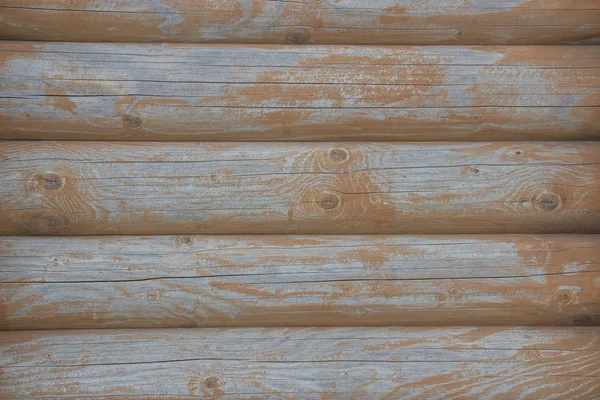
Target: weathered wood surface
x=319, y=22
x=80, y=91
x=188, y=281
x=334, y=363
x=86, y=188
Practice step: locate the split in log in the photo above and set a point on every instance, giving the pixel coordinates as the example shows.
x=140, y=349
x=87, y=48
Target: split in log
x=312, y=363
x=301, y=22
x=94, y=188
x=76, y=91
x=215, y=281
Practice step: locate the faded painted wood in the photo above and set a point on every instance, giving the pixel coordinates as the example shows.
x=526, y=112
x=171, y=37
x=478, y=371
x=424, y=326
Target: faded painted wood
x=188, y=281
x=233, y=92
x=319, y=22
x=84, y=188
x=338, y=363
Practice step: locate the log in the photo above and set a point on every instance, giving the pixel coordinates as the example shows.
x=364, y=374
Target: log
x=97, y=188
x=319, y=22
x=83, y=91
x=311, y=363
x=216, y=281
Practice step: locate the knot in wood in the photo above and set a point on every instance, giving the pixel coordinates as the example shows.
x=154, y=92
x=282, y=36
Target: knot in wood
x=52, y=220
x=338, y=155
x=150, y=296
x=298, y=37
x=131, y=121
x=211, y=382
x=329, y=201
x=548, y=201
x=186, y=240
x=52, y=181
x=564, y=297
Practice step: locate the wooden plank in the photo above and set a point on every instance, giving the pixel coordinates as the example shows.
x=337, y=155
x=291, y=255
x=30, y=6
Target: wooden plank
x=232, y=92
x=215, y=281
x=86, y=188
x=319, y=22
x=334, y=363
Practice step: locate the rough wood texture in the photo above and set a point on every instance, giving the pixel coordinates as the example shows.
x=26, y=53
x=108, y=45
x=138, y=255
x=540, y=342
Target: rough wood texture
x=218, y=92
x=300, y=22
x=338, y=363
x=183, y=281
x=81, y=188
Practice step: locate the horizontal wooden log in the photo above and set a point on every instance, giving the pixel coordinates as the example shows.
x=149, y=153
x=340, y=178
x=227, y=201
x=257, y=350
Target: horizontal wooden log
x=215, y=281
x=87, y=188
x=319, y=22
x=231, y=92
x=312, y=363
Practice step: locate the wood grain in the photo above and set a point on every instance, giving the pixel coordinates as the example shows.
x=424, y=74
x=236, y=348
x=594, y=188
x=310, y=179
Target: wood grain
x=335, y=363
x=295, y=22
x=85, y=188
x=215, y=281
x=81, y=91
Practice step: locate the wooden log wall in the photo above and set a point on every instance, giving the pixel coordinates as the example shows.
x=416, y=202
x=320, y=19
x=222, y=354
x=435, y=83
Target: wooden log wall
x=240, y=199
